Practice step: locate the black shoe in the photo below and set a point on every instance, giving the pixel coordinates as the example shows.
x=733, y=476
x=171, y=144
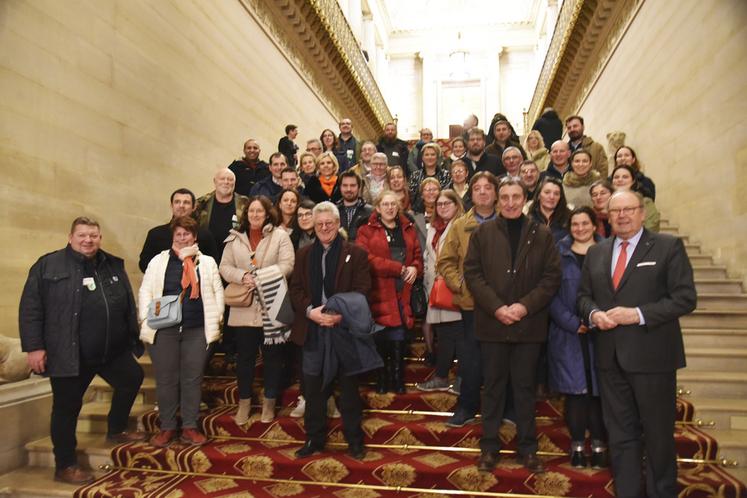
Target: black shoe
x=488, y=461
x=578, y=459
x=357, y=451
x=532, y=463
x=382, y=386
x=309, y=449
x=599, y=459
x=398, y=367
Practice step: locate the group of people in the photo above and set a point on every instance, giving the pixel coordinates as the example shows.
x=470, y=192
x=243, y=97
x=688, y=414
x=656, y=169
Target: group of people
x=527, y=265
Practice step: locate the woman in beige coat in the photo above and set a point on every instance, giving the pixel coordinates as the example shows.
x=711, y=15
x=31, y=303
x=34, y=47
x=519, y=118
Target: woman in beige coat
x=258, y=242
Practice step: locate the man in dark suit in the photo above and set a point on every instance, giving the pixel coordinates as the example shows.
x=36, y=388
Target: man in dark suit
x=634, y=288
x=329, y=266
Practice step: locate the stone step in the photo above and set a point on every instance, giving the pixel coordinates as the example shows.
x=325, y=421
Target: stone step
x=667, y=228
x=732, y=445
x=35, y=482
x=714, y=337
x=726, y=319
x=710, y=272
x=712, y=384
x=93, y=416
x=99, y=390
x=725, y=359
x=718, y=285
x=726, y=413
x=93, y=451
x=693, y=248
x=722, y=301
x=700, y=259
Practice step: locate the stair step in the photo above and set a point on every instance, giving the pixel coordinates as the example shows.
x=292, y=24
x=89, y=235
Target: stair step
x=99, y=390
x=718, y=285
x=722, y=300
x=713, y=384
x=727, y=319
x=672, y=229
x=712, y=337
x=732, y=444
x=725, y=412
x=700, y=259
x=692, y=248
x=93, y=416
x=35, y=482
x=710, y=271
x=726, y=359
x=93, y=451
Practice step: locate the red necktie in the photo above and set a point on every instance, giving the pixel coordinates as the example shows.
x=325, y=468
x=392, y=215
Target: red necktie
x=617, y=275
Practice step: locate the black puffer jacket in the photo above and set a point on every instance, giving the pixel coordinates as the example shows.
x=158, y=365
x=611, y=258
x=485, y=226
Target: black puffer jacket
x=50, y=310
x=550, y=127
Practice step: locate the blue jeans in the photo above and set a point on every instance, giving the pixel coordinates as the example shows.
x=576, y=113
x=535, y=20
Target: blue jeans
x=470, y=369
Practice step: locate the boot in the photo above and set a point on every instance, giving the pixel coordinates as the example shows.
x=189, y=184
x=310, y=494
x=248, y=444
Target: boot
x=268, y=411
x=397, y=362
x=242, y=414
x=382, y=374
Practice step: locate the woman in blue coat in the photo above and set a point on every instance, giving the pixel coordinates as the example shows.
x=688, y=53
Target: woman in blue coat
x=569, y=350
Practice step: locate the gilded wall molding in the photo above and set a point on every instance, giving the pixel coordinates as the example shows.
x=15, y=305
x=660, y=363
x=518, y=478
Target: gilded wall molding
x=316, y=38
x=586, y=35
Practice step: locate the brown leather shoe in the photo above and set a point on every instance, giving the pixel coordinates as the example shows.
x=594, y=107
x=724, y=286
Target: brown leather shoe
x=488, y=461
x=163, y=438
x=73, y=475
x=193, y=436
x=533, y=464
x=126, y=437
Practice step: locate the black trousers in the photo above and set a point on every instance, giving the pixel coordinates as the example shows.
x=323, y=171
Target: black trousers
x=125, y=376
x=503, y=363
x=639, y=409
x=351, y=409
x=249, y=341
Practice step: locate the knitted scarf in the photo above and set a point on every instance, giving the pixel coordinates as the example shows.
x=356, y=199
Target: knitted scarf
x=328, y=185
x=189, y=270
x=571, y=179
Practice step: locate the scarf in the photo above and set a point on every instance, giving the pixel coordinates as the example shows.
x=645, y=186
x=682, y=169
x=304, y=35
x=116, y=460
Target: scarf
x=439, y=225
x=571, y=179
x=189, y=270
x=330, y=267
x=602, y=223
x=255, y=237
x=328, y=185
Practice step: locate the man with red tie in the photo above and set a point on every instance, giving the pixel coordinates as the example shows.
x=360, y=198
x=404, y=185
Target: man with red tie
x=634, y=288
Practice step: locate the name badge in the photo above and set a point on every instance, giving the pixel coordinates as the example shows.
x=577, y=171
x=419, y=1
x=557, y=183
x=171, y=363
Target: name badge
x=395, y=153
x=89, y=283
x=350, y=154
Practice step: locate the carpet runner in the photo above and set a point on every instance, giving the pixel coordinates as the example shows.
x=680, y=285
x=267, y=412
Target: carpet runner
x=411, y=453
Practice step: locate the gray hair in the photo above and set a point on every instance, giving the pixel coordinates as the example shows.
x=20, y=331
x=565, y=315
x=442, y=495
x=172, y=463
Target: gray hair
x=326, y=207
x=380, y=155
x=508, y=149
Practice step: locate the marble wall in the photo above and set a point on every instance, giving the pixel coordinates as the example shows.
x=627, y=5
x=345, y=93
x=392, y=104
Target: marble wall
x=109, y=105
x=676, y=86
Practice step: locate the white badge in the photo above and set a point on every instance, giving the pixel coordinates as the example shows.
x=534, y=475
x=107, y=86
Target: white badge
x=395, y=153
x=89, y=283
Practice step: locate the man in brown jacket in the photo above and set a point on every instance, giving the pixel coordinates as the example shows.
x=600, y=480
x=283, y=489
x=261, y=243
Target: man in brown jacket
x=574, y=126
x=512, y=269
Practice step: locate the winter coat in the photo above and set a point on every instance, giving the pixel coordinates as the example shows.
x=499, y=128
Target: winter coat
x=275, y=248
x=541, y=158
x=49, y=312
x=204, y=208
x=211, y=293
x=598, y=156
x=532, y=281
x=450, y=263
x=348, y=347
x=566, y=369
x=550, y=127
x=316, y=193
x=385, y=302
x=360, y=216
x=247, y=175
x=576, y=188
x=435, y=315
x=268, y=188
x=396, y=152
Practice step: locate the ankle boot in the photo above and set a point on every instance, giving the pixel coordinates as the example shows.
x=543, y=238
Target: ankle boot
x=397, y=362
x=242, y=414
x=382, y=374
x=268, y=411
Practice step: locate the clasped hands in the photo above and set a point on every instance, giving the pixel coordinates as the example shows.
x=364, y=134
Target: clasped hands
x=248, y=281
x=324, y=319
x=619, y=315
x=508, y=315
x=408, y=274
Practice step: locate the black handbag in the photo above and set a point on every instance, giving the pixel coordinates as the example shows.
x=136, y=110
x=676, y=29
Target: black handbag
x=418, y=299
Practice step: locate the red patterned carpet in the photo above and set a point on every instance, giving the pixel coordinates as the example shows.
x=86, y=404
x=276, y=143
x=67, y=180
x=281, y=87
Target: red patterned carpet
x=411, y=453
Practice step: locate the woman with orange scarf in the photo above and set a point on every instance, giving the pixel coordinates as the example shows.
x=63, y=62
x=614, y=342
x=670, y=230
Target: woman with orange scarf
x=179, y=352
x=325, y=186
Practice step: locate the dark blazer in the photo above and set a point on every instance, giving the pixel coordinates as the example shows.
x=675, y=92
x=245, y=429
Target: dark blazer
x=353, y=275
x=532, y=281
x=658, y=280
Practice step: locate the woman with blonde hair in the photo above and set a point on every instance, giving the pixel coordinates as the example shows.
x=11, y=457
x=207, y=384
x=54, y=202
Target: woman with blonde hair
x=536, y=150
x=306, y=166
x=431, y=157
x=325, y=186
x=397, y=183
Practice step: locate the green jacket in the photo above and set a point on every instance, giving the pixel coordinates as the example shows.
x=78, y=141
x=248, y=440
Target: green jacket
x=205, y=208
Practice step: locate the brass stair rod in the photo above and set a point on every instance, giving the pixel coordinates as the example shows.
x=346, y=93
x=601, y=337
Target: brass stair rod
x=376, y=487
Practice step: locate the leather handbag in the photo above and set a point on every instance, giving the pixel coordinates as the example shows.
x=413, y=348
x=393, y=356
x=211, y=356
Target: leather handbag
x=165, y=312
x=418, y=302
x=238, y=296
x=441, y=296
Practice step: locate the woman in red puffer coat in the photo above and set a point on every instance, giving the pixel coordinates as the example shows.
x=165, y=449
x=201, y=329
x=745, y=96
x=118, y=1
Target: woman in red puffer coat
x=396, y=260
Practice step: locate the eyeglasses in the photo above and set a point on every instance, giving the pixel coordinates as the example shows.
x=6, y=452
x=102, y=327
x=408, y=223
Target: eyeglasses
x=444, y=204
x=305, y=215
x=325, y=224
x=626, y=211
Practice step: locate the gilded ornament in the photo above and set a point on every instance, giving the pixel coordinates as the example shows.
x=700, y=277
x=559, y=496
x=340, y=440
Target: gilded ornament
x=232, y=449
x=175, y=493
x=275, y=436
x=545, y=444
x=259, y=466
x=199, y=462
x=507, y=432
x=552, y=483
x=397, y=474
x=215, y=484
x=404, y=437
x=435, y=459
x=440, y=402
x=325, y=470
x=378, y=401
x=285, y=489
x=357, y=493
x=371, y=425
x=470, y=479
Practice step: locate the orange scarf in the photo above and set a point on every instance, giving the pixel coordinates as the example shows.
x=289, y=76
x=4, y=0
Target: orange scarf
x=328, y=185
x=189, y=276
